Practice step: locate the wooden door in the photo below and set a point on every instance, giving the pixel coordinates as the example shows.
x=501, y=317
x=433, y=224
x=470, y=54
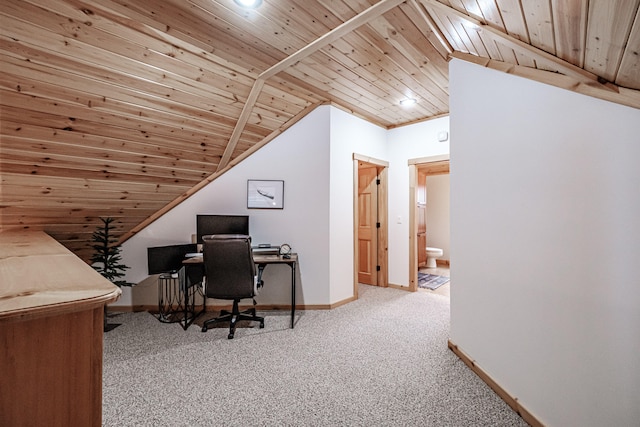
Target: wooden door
x=367, y=224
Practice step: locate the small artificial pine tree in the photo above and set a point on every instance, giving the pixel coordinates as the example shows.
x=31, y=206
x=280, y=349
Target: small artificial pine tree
x=106, y=259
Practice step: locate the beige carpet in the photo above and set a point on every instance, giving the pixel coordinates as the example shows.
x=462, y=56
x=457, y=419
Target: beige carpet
x=379, y=361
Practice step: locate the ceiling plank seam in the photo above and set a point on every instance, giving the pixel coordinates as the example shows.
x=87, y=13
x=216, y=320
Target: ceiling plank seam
x=513, y=43
x=338, y=32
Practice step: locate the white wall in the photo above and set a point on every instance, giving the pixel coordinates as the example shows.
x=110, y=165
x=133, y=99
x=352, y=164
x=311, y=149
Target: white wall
x=545, y=238
x=408, y=142
x=438, y=213
x=300, y=157
x=349, y=135
x=315, y=159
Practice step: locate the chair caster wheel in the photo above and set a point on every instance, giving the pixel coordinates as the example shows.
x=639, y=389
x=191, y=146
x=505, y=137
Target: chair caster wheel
x=261, y=325
x=230, y=336
x=204, y=329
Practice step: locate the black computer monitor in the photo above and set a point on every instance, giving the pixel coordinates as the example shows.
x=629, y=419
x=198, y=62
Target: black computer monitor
x=221, y=224
x=164, y=259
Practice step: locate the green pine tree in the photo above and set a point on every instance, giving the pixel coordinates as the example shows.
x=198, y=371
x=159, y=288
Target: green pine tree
x=106, y=258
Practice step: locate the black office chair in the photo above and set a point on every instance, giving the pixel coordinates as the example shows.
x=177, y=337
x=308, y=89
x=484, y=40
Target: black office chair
x=229, y=273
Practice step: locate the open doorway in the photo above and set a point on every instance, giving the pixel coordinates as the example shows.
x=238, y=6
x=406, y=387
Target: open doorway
x=370, y=222
x=420, y=171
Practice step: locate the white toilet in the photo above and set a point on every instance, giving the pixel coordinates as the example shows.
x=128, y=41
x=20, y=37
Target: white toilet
x=432, y=255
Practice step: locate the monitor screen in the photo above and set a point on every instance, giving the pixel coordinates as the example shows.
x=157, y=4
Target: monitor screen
x=163, y=259
x=221, y=224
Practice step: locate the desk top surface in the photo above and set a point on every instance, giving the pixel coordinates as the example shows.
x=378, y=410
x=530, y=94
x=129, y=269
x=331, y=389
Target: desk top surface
x=274, y=259
x=257, y=258
x=39, y=276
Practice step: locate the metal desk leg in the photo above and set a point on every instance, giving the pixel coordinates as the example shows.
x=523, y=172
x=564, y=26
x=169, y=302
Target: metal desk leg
x=293, y=293
x=189, y=291
x=260, y=271
x=293, y=287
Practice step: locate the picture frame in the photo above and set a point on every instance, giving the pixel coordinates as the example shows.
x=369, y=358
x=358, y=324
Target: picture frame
x=265, y=194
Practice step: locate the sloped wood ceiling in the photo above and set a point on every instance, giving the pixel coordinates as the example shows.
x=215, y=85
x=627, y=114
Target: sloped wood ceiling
x=123, y=108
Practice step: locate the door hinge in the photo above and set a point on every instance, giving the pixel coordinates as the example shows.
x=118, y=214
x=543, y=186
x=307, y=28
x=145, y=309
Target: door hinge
x=378, y=181
x=377, y=268
x=377, y=225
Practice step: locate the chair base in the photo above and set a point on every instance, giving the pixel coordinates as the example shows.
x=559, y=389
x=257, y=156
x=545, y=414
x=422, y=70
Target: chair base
x=233, y=317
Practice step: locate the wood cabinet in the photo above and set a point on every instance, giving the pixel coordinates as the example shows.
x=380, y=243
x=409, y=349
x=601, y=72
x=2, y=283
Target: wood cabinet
x=51, y=331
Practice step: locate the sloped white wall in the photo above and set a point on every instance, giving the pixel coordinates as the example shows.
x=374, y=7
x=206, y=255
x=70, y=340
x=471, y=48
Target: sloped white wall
x=300, y=157
x=545, y=239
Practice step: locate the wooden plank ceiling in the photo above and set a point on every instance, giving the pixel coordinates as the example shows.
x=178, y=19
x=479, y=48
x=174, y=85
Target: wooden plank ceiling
x=123, y=108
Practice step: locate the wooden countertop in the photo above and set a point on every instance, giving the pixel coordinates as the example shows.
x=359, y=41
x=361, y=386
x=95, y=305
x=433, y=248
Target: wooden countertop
x=39, y=276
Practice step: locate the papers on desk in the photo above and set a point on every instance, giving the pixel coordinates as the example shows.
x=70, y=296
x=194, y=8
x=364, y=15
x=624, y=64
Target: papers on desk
x=193, y=254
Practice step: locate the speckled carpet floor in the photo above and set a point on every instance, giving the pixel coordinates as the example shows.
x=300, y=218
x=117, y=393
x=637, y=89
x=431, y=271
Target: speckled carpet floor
x=379, y=361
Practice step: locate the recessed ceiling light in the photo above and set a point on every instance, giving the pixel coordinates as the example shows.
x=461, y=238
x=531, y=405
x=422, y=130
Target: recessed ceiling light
x=248, y=4
x=408, y=102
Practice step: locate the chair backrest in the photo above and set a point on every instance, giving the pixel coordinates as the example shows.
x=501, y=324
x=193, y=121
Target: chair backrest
x=228, y=266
